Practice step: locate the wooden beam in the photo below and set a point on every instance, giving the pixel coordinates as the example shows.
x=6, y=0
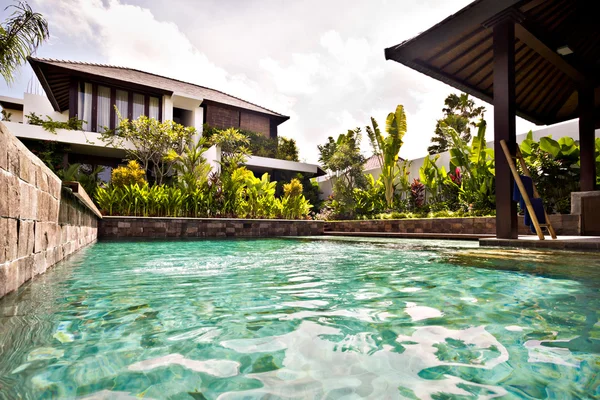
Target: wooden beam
x=531, y=5
x=504, y=126
x=549, y=54
x=587, y=138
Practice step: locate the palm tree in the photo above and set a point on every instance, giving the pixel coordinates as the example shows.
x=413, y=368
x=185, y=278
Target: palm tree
x=387, y=148
x=20, y=36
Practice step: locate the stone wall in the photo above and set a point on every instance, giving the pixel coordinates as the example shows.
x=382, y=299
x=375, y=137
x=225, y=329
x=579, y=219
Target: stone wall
x=563, y=224
x=139, y=227
x=40, y=222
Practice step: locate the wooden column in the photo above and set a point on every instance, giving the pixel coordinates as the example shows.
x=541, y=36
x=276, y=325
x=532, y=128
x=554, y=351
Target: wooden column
x=504, y=125
x=586, y=99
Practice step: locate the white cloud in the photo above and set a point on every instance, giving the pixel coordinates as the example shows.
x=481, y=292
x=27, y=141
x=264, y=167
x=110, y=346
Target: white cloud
x=324, y=69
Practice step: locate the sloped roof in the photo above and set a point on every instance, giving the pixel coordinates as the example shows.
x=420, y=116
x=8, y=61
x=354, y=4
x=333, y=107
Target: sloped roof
x=53, y=74
x=459, y=51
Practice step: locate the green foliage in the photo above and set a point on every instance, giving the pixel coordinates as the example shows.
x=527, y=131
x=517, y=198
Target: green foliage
x=387, y=149
x=343, y=159
x=370, y=200
x=293, y=204
x=191, y=166
x=5, y=115
x=128, y=175
x=51, y=153
x=477, y=168
x=460, y=114
x=84, y=174
x=50, y=125
x=261, y=145
x=287, y=149
x=234, y=148
x=20, y=35
x=554, y=167
x=433, y=177
x=259, y=198
x=150, y=143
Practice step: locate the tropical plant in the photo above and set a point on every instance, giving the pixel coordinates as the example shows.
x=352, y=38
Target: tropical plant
x=5, y=115
x=20, y=35
x=343, y=160
x=127, y=175
x=87, y=176
x=287, y=149
x=417, y=191
x=433, y=177
x=461, y=114
x=388, y=148
x=50, y=125
x=150, y=142
x=234, y=148
x=477, y=169
x=371, y=200
x=259, y=198
x=554, y=168
x=191, y=166
x=293, y=204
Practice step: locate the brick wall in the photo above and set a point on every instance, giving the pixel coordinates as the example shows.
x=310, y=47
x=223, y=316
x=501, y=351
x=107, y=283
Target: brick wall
x=255, y=123
x=40, y=222
x=222, y=117
x=129, y=227
x=563, y=224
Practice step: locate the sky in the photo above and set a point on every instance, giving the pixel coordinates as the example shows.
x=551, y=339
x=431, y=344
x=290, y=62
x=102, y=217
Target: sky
x=320, y=62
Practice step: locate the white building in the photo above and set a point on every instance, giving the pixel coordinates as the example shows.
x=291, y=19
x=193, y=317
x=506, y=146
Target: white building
x=90, y=93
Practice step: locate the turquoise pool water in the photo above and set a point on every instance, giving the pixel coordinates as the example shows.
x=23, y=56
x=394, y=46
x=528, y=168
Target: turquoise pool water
x=305, y=319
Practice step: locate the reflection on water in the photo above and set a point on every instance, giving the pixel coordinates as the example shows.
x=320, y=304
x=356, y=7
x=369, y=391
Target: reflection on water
x=296, y=319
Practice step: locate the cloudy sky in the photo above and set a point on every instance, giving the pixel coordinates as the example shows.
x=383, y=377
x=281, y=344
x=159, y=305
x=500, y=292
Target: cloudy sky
x=320, y=62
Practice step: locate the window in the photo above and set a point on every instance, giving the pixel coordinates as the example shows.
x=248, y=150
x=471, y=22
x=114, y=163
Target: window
x=138, y=105
x=103, y=112
x=96, y=106
x=122, y=103
x=84, y=109
x=153, y=109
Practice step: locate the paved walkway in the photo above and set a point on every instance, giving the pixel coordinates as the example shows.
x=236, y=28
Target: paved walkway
x=586, y=243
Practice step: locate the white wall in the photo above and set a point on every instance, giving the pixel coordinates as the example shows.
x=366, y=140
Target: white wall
x=41, y=106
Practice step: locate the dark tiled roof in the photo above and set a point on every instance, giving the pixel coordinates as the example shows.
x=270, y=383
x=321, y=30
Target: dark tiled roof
x=156, y=81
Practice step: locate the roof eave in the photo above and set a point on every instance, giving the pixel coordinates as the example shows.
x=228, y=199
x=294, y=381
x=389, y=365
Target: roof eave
x=42, y=78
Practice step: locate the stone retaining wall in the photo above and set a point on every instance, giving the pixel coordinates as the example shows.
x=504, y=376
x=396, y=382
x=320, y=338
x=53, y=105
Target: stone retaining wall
x=140, y=227
x=40, y=222
x=563, y=224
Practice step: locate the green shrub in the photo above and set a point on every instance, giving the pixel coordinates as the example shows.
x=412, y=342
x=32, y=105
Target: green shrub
x=128, y=175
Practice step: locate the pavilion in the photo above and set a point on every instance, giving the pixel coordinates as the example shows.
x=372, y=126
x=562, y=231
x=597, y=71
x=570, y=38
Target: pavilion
x=538, y=59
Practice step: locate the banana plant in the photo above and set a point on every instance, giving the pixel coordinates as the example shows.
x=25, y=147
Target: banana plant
x=387, y=148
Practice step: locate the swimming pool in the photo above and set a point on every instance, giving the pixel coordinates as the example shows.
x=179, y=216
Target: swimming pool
x=304, y=318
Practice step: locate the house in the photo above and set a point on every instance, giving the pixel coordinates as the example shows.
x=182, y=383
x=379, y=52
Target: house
x=90, y=93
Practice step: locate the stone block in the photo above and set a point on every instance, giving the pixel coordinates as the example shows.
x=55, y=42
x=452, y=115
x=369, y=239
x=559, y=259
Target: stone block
x=39, y=263
x=4, y=200
x=54, y=186
x=14, y=196
x=25, y=269
x=41, y=179
x=13, y=158
x=25, y=168
x=4, y=138
x=9, y=276
x=12, y=240
x=53, y=208
x=26, y=238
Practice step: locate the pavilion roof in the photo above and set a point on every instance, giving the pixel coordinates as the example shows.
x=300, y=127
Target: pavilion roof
x=459, y=52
